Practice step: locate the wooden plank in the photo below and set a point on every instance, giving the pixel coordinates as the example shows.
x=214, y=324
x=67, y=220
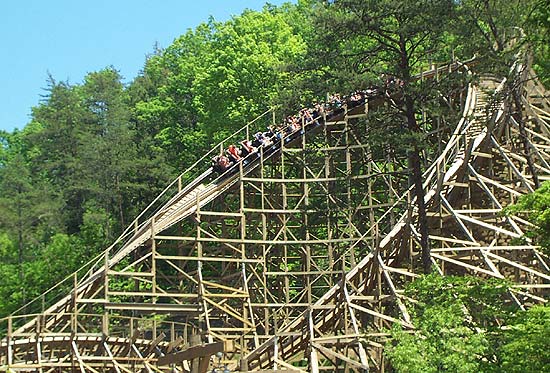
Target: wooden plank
x=78, y=357
x=454, y=240
x=489, y=248
x=488, y=226
x=151, y=294
x=155, y=307
x=222, y=214
x=154, y=344
x=191, y=353
x=465, y=265
x=340, y=356
x=497, y=184
x=288, y=367
x=175, y=343
x=520, y=266
x=380, y=315
x=110, y=354
x=245, y=241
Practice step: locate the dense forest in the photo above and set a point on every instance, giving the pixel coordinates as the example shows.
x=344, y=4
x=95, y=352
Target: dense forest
x=94, y=154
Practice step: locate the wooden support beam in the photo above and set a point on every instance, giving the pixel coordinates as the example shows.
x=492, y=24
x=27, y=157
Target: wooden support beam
x=193, y=352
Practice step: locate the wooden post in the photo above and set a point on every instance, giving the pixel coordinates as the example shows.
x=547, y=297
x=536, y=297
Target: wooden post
x=195, y=340
x=39, y=321
x=74, y=314
x=275, y=352
x=154, y=266
x=105, y=319
x=243, y=364
x=313, y=357
x=9, y=337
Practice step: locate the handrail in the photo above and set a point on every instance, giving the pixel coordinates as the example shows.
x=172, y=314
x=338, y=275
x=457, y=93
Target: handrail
x=139, y=322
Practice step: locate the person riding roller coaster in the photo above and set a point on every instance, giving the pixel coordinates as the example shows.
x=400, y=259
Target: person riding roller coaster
x=221, y=163
x=233, y=153
x=247, y=148
x=260, y=139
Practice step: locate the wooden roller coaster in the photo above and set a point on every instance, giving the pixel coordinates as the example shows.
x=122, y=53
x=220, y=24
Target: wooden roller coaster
x=297, y=258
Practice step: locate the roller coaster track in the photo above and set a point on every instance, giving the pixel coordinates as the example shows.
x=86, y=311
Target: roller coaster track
x=290, y=259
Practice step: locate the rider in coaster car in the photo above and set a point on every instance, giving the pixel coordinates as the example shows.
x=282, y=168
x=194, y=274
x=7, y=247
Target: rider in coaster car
x=233, y=153
x=292, y=125
x=335, y=101
x=260, y=138
x=305, y=115
x=356, y=97
x=221, y=163
x=318, y=112
x=216, y=164
x=274, y=133
x=247, y=148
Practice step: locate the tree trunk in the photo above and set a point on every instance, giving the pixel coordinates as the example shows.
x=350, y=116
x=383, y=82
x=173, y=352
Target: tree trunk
x=414, y=161
x=417, y=181
x=493, y=27
x=120, y=208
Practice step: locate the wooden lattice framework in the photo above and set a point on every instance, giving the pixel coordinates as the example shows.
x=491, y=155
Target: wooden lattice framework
x=301, y=257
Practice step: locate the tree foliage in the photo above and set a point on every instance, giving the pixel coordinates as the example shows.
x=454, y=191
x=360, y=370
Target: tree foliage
x=466, y=324
x=536, y=207
x=214, y=79
x=526, y=344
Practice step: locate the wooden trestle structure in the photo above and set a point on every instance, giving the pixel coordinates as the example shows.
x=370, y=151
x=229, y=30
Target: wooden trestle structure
x=298, y=260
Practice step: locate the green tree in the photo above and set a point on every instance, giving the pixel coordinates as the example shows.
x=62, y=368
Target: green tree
x=70, y=181
x=28, y=216
x=526, y=343
x=489, y=24
x=458, y=325
x=27, y=206
x=213, y=80
x=108, y=151
x=538, y=29
x=495, y=30
x=249, y=55
x=323, y=67
x=536, y=207
x=61, y=118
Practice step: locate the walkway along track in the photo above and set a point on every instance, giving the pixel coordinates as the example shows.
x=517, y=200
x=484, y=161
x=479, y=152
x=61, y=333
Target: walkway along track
x=342, y=329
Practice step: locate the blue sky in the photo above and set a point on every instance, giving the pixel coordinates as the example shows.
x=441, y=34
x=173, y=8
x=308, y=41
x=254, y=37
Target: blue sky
x=69, y=38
